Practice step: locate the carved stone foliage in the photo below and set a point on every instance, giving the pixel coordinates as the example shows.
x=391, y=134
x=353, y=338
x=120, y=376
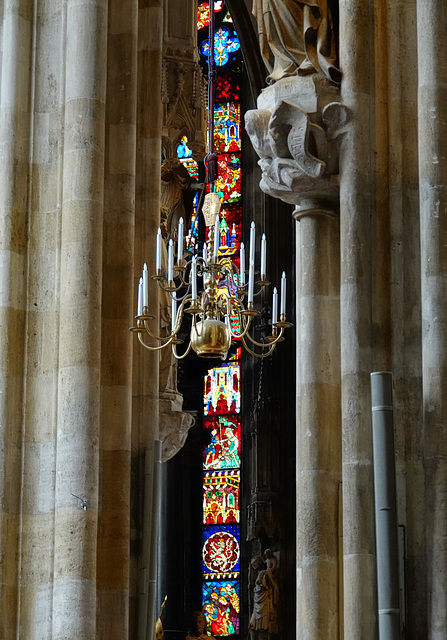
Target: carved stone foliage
x=295, y=132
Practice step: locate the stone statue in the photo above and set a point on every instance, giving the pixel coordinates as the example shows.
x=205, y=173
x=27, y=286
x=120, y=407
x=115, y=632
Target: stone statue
x=265, y=597
x=198, y=629
x=296, y=38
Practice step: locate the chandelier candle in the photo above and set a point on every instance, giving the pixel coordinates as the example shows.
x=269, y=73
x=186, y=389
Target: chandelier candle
x=158, y=253
x=145, y=286
x=140, y=298
x=263, y=256
x=194, y=278
x=180, y=242
x=275, y=306
x=216, y=238
x=242, y=261
x=170, y=262
x=283, y=294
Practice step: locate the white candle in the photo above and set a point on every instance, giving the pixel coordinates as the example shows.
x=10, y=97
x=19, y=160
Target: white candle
x=216, y=238
x=173, y=310
x=263, y=256
x=170, y=261
x=252, y=243
x=242, y=259
x=158, y=251
x=283, y=294
x=145, y=286
x=140, y=298
x=275, y=306
x=251, y=281
x=204, y=256
x=194, y=278
x=180, y=240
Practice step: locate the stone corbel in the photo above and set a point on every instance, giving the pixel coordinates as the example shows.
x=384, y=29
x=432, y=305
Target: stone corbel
x=295, y=131
x=174, y=424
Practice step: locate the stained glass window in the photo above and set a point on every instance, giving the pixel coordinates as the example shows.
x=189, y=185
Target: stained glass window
x=221, y=497
x=226, y=43
x=203, y=12
x=227, y=122
x=221, y=514
x=224, y=448
x=227, y=88
x=221, y=606
x=222, y=390
x=184, y=154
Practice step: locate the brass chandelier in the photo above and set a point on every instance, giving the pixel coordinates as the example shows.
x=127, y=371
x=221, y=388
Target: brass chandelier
x=225, y=299
x=223, y=310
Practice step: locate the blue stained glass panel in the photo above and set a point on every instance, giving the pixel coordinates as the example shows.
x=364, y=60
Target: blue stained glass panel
x=226, y=42
x=224, y=449
x=221, y=556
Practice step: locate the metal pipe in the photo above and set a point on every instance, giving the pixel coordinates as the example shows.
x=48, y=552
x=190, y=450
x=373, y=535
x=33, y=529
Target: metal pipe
x=385, y=505
x=153, y=556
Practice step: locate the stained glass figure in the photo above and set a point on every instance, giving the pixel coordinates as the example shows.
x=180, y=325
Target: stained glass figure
x=221, y=551
x=184, y=154
x=203, y=13
x=221, y=497
x=193, y=235
x=226, y=42
x=221, y=606
x=222, y=390
x=227, y=123
x=224, y=448
x=227, y=88
x=229, y=181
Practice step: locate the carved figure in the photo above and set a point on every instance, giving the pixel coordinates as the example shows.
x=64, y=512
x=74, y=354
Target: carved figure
x=296, y=38
x=198, y=627
x=265, y=598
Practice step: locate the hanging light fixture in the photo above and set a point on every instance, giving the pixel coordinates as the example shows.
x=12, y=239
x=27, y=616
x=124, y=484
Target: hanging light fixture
x=223, y=309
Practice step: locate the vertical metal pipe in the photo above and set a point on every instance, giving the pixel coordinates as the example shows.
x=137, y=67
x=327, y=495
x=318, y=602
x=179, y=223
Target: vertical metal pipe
x=153, y=566
x=385, y=505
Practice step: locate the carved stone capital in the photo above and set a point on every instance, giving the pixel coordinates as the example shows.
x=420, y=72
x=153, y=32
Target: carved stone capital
x=174, y=424
x=295, y=132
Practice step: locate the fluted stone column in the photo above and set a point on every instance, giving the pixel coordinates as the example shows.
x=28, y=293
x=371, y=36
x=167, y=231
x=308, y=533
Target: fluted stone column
x=432, y=46
x=318, y=423
x=356, y=209
x=113, y=573
x=77, y=457
x=146, y=370
x=42, y=342
x=16, y=47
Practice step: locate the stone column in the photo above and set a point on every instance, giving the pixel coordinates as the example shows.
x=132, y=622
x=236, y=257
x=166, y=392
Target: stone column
x=42, y=342
x=16, y=47
x=292, y=114
x=147, y=212
x=113, y=571
x=318, y=423
x=432, y=47
x=77, y=457
x=356, y=209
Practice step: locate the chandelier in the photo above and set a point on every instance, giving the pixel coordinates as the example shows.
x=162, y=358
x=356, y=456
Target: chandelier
x=223, y=309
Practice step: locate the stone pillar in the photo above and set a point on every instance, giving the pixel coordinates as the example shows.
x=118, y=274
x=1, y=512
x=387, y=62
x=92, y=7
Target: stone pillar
x=293, y=115
x=432, y=73
x=318, y=423
x=15, y=56
x=78, y=404
x=42, y=342
x=147, y=214
x=356, y=209
x=118, y=307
